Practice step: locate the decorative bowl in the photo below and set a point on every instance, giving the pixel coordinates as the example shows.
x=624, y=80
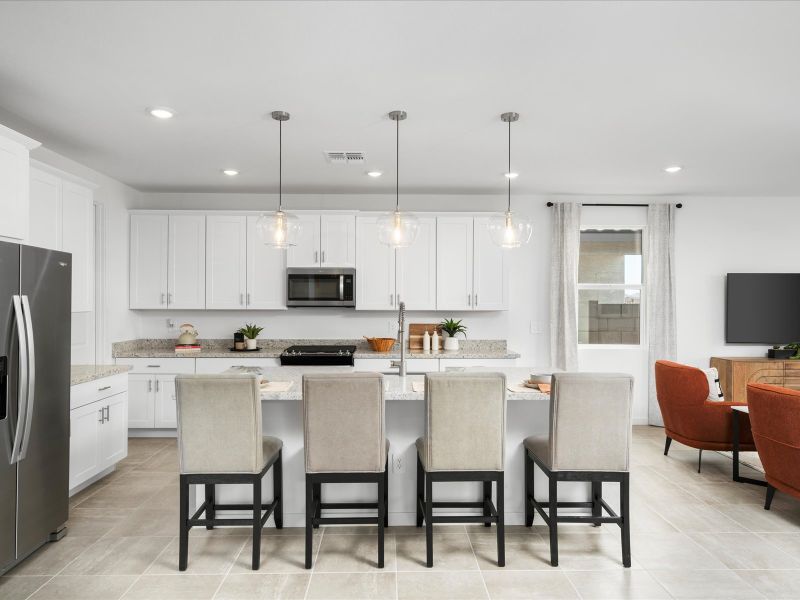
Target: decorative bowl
x=380, y=344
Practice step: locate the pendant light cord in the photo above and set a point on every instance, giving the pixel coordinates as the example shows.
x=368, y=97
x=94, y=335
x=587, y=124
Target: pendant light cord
x=509, y=166
x=397, y=167
x=280, y=166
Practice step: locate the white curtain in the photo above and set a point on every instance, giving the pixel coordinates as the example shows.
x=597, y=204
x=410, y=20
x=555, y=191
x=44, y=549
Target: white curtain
x=660, y=301
x=564, y=286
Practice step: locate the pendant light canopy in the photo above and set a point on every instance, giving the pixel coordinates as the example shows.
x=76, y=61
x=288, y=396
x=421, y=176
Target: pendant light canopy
x=279, y=229
x=397, y=229
x=509, y=230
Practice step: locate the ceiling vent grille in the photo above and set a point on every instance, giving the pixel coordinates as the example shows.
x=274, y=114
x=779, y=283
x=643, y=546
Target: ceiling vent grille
x=338, y=157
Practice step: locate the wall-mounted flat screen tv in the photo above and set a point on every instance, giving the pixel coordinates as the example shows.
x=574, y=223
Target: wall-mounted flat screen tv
x=762, y=308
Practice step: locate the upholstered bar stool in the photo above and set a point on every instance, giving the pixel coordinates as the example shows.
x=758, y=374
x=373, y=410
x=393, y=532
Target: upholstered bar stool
x=345, y=442
x=220, y=442
x=588, y=440
x=465, y=426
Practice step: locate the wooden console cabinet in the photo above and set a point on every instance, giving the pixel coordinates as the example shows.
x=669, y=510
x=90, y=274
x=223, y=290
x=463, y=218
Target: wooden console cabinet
x=736, y=373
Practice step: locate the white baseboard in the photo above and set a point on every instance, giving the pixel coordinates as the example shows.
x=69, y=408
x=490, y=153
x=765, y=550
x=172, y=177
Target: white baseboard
x=152, y=433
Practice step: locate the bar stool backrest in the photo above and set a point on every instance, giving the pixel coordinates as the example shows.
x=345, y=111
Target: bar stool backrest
x=219, y=423
x=344, y=423
x=590, y=421
x=465, y=423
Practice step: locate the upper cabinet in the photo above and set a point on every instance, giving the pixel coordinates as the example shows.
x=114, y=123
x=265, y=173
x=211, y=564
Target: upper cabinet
x=416, y=268
x=266, y=272
x=489, y=271
x=375, y=268
x=186, y=262
x=226, y=261
x=148, y=260
x=326, y=240
x=15, y=183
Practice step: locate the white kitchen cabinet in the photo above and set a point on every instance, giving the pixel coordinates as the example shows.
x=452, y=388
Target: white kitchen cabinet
x=148, y=260
x=266, y=272
x=454, y=263
x=77, y=238
x=375, y=268
x=226, y=261
x=114, y=431
x=15, y=183
x=166, y=408
x=416, y=269
x=141, y=401
x=46, y=206
x=306, y=252
x=84, y=434
x=337, y=240
x=186, y=262
x=490, y=270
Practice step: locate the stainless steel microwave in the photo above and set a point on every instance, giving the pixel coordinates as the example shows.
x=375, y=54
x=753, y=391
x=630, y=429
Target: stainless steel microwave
x=320, y=287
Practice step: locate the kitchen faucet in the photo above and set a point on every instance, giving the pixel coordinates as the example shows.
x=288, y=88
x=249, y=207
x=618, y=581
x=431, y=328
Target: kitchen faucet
x=401, y=319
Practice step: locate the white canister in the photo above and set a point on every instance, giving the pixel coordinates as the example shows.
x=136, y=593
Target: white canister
x=426, y=342
x=435, y=342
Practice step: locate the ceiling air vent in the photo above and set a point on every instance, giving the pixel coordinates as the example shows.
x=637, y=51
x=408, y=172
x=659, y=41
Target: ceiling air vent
x=336, y=157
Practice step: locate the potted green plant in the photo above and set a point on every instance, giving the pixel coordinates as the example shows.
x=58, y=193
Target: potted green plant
x=250, y=333
x=796, y=347
x=452, y=328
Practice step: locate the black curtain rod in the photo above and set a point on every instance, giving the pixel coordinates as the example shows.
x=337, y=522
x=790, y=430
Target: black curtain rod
x=678, y=205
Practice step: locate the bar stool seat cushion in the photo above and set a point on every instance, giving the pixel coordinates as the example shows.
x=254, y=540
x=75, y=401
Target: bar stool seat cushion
x=540, y=447
x=271, y=446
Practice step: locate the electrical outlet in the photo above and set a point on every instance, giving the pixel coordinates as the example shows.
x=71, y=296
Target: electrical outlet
x=398, y=463
x=170, y=324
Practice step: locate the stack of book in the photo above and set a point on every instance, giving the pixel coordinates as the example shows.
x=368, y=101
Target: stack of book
x=187, y=348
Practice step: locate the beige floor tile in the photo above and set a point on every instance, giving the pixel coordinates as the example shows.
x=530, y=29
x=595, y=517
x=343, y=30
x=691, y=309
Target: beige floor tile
x=586, y=551
x=523, y=552
x=51, y=558
x=207, y=555
x=165, y=461
x=352, y=586
x=727, y=493
x=19, y=588
x=353, y=554
x=147, y=522
x=705, y=585
x=777, y=585
x=259, y=586
x=509, y=585
x=451, y=552
x=697, y=517
x=92, y=522
x=174, y=587
x=628, y=584
x=279, y=554
x=167, y=497
x=118, y=496
x=85, y=587
x=753, y=517
x=645, y=519
x=745, y=551
x=788, y=542
x=671, y=551
x=435, y=585
x=86, y=493
x=118, y=556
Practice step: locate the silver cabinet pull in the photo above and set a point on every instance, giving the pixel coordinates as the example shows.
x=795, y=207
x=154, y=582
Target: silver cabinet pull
x=157, y=386
x=476, y=300
x=149, y=385
x=241, y=299
x=153, y=366
x=102, y=418
x=469, y=299
x=162, y=298
x=391, y=299
x=316, y=256
x=106, y=416
x=105, y=387
x=248, y=298
x=169, y=298
x=323, y=256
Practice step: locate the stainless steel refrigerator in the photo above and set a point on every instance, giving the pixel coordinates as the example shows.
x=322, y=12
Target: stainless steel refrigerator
x=35, y=297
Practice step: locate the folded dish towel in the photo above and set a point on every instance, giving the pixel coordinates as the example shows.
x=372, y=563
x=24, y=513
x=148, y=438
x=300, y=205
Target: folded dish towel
x=276, y=386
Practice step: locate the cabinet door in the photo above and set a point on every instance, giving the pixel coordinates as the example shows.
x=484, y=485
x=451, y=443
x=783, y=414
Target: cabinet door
x=186, y=265
x=45, y=214
x=416, y=269
x=84, y=453
x=141, y=401
x=490, y=274
x=306, y=252
x=226, y=261
x=148, y=261
x=375, y=262
x=114, y=431
x=338, y=240
x=166, y=405
x=77, y=235
x=454, y=263
x=14, y=186
x=266, y=272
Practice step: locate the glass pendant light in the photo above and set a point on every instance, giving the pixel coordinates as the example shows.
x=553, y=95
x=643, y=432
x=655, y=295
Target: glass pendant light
x=397, y=229
x=509, y=230
x=279, y=229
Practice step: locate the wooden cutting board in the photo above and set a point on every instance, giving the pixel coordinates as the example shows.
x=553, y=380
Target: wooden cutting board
x=416, y=331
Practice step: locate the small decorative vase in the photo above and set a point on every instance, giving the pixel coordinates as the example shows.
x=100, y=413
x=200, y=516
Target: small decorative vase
x=451, y=344
x=251, y=343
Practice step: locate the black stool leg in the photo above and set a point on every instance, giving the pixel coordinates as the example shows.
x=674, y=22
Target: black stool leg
x=625, y=509
x=666, y=445
x=487, y=501
x=699, y=460
x=309, y=515
x=770, y=496
x=529, y=512
x=385, y=498
x=501, y=534
x=429, y=520
x=277, y=487
x=318, y=499
x=256, y=523
x=183, y=545
x=381, y=515
x=210, y=512
x=597, y=494
x=553, y=517
x=420, y=491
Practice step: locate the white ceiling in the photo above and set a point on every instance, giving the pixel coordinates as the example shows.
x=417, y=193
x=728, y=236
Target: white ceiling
x=609, y=93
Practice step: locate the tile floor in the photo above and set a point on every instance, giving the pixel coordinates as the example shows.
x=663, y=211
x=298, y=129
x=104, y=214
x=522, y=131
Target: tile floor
x=694, y=536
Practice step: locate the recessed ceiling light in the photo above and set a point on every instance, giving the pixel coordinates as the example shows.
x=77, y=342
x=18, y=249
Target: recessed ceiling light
x=511, y=175
x=230, y=172
x=161, y=112
x=673, y=168
x=374, y=173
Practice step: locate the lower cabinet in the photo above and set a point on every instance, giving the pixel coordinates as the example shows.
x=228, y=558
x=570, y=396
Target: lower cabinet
x=98, y=437
x=151, y=401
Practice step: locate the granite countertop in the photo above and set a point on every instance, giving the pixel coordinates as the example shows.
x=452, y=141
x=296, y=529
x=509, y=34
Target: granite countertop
x=395, y=387
x=216, y=348
x=85, y=373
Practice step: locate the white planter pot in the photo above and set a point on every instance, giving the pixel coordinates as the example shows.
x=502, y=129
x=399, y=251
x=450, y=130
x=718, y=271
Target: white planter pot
x=450, y=344
x=250, y=344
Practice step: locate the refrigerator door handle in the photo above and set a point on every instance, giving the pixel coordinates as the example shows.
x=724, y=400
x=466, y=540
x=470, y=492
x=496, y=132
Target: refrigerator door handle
x=26, y=307
x=22, y=399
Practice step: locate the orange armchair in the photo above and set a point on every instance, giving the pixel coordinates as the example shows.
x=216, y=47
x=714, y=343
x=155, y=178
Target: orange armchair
x=775, y=420
x=689, y=417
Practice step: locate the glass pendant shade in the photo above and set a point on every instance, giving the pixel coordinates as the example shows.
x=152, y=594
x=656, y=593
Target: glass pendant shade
x=509, y=230
x=397, y=229
x=278, y=229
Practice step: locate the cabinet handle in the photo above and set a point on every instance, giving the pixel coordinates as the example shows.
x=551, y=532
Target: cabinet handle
x=241, y=298
x=316, y=256
x=105, y=387
x=149, y=385
x=469, y=299
x=169, y=299
x=106, y=416
x=157, y=386
x=323, y=256
x=153, y=366
x=391, y=299
x=248, y=298
x=162, y=298
x=476, y=300
x=100, y=420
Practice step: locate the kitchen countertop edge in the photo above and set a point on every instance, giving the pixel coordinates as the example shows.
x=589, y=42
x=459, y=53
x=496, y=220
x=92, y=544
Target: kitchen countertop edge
x=86, y=373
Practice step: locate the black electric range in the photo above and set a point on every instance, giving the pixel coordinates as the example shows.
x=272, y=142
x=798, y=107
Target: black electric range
x=318, y=355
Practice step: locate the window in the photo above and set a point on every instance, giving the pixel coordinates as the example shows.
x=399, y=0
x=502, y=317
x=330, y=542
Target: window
x=610, y=286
